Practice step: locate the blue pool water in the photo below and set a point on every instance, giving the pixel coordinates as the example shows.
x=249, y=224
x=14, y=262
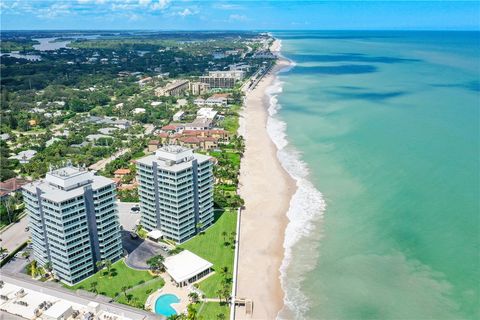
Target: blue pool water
x=163, y=304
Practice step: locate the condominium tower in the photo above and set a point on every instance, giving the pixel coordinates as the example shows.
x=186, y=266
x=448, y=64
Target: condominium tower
x=176, y=192
x=73, y=221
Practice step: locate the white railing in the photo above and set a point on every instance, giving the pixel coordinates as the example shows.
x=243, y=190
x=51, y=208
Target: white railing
x=235, y=267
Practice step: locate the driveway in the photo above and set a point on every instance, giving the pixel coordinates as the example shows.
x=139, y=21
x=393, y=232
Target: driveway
x=15, y=235
x=16, y=265
x=139, y=251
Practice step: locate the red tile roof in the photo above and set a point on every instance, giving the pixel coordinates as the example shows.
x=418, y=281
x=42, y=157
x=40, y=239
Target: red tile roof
x=11, y=185
x=169, y=127
x=122, y=171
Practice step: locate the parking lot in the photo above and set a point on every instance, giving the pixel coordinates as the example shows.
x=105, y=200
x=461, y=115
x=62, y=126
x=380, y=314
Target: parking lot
x=128, y=220
x=15, y=235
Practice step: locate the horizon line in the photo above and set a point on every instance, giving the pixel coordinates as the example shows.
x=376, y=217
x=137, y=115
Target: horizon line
x=236, y=30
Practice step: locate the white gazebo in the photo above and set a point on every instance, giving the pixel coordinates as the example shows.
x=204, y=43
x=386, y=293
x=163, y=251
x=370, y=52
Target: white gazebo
x=186, y=267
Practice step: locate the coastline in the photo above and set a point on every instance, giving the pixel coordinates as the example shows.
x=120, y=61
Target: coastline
x=267, y=189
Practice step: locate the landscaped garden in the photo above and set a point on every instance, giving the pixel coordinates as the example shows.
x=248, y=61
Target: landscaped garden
x=137, y=296
x=122, y=283
x=213, y=310
x=216, y=245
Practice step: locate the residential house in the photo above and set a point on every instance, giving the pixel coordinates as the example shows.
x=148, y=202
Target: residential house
x=178, y=116
x=154, y=144
x=10, y=187
x=24, y=156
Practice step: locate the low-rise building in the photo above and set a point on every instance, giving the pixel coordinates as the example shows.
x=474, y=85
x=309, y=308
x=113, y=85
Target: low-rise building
x=153, y=145
x=178, y=116
x=198, y=88
x=10, y=187
x=175, y=88
x=138, y=110
x=207, y=113
x=236, y=74
x=186, y=267
x=199, y=124
x=120, y=173
x=24, y=156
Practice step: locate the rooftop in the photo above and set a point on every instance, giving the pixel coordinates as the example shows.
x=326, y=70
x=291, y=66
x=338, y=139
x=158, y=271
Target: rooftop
x=173, y=158
x=185, y=265
x=66, y=182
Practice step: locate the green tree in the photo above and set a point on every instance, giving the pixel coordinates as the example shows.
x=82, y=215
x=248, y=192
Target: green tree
x=193, y=297
x=93, y=286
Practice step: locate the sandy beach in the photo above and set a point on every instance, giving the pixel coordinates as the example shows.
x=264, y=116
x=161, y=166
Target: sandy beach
x=267, y=189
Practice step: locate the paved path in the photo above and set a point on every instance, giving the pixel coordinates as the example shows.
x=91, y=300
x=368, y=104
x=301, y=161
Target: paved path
x=100, y=165
x=15, y=235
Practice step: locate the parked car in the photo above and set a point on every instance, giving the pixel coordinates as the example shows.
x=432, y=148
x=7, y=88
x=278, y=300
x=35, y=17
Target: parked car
x=135, y=209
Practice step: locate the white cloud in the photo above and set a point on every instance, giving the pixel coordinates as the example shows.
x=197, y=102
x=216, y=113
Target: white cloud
x=55, y=10
x=144, y=3
x=134, y=17
x=185, y=12
x=228, y=6
x=237, y=17
x=92, y=1
x=160, y=5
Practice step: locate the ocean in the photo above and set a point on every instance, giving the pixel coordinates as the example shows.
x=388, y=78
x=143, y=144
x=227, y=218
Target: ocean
x=381, y=132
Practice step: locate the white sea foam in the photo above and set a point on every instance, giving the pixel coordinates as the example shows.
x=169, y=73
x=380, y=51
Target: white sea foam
x=306, y=210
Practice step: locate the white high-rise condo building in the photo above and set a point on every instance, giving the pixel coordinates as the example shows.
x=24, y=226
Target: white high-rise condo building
x=176, y=192
x=73, y=221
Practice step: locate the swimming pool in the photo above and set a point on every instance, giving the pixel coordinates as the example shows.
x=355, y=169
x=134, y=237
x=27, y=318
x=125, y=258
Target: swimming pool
x=163, y=304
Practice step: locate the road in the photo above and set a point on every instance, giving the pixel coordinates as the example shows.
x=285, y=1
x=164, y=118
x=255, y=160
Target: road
x=100, y=165
x=15, y=235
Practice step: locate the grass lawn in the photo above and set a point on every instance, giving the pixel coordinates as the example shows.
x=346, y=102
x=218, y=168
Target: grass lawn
x=111, y=285
x=210, y=246
x=138, y=296
x=211, y=310
x=230, y=123
x=232, y=155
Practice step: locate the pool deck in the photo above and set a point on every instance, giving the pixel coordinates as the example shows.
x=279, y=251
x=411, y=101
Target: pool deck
x=169, y=288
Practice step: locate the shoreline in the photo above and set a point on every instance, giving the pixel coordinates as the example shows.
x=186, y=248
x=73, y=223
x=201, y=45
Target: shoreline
x=267, y=189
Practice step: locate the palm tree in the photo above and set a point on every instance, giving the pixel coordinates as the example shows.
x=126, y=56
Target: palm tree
x=48, y=266
x=220, y=316
x=224, y=271
x=199, y=226
x=193, y=297
x=99, y=265
x=3, y=250
x=93, y=286
x=224, y=235
x=33, y=268
x=191, y=312
x=124, y=290
x=156, y=263
x=219, y=294
x=108, y=264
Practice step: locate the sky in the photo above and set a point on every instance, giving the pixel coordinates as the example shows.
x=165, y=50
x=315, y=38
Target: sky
x=238, y=15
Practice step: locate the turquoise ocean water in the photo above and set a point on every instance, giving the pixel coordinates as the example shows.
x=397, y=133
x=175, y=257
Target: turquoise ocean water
x=381, y=132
